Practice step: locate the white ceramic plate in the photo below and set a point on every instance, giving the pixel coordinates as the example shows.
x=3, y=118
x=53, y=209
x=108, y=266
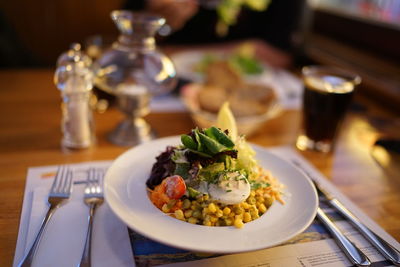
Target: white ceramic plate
x=185, y=62
x=125, y=192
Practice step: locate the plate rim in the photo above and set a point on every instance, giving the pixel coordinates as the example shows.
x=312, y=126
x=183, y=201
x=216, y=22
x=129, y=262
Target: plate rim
x=196, y=248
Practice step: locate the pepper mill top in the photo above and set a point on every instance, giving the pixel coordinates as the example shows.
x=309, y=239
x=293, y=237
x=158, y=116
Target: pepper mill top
x=74, y=73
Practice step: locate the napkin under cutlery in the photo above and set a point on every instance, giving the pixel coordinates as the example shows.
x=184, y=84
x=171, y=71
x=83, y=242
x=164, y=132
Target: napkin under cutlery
x=62, y=243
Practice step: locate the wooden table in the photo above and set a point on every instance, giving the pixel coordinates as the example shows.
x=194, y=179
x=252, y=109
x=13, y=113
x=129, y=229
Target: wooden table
x=30, y=136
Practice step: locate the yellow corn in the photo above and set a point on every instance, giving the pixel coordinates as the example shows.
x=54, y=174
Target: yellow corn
x=246, y=217
x=207, y=223
x=165, y=208
x=213, y=219
x=212, y=208
x=196, y=214
x=186, y=204
x=203, y=211
x=219, y=213
x=239, y=216
x=192, y=220
x=238, y=223
x=226, y=211
x=245, y=205
x=251, y=200
x=179, y=214
x=228, y=221
x=262, y=208
x=188, y=213
x=238, y=210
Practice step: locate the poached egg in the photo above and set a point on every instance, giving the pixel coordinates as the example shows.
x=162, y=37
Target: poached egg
x=231, y=188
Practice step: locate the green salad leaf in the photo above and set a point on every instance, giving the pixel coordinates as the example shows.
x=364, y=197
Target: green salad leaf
x=207, y=142
x=246, y=65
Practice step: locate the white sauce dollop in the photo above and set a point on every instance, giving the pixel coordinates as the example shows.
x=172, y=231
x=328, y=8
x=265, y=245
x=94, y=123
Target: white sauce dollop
x=232, y=188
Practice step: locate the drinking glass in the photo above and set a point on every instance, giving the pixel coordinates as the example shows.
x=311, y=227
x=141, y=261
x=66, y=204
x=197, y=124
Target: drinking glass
x=328, y=92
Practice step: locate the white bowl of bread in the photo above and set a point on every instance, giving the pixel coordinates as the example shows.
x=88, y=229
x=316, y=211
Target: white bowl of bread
x=252, y=104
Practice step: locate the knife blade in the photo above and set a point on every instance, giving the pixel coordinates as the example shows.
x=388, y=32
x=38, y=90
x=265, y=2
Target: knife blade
x=387, y=250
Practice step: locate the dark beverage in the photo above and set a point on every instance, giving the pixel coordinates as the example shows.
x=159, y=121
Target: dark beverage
x=324, y=108
x=326, y=99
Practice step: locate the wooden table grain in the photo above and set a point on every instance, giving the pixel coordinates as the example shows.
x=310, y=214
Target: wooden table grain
x=30, y=136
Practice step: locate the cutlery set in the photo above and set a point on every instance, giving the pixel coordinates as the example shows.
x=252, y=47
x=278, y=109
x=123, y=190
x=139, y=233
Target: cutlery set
x=355, y=255
x=60, y=192
x=93, y=197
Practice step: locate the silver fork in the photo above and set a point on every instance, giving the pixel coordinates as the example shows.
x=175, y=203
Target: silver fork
x=59, y=192
x=93, y=198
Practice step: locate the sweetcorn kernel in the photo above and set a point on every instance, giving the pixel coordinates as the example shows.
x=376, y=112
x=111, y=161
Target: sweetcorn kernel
x=254, y=215
x=239, y=216
x=262, y=208
x=268, y=201
x=213, y=219
x=165, y=208
x=245, y=205
x=188, y=213
x=259, y=199
x=228, y=222
x=246, y=217
x=196, y=214
x=226, y=211
x=251, y=200
x=207, y=223
x=212, y=208
x=179, y=214
x=195, y=205
x=219, y=213
x=186, y=204
x=238, y=210
x=192, y=220
x=238, y=223
x=200, y=198
x=204, y=211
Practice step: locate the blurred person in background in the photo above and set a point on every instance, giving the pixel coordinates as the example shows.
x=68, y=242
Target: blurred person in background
x=276, y=24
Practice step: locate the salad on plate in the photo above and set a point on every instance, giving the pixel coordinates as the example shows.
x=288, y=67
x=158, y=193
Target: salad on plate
x=213, y=178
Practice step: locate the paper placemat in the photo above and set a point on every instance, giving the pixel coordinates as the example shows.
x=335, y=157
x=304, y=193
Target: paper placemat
x=313, y=247
x=63, y=241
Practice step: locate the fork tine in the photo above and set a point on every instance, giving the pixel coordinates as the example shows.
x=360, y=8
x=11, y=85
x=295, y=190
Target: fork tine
x=101, y=180
x=55, y=185
x=94, y=181
x=62, y=181
x=90, y=180
x=68, y=181
x=99, y=184
x=92, y=176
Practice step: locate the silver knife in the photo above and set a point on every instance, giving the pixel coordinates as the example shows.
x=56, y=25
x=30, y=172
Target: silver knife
x=388, y=251
x=352, y=252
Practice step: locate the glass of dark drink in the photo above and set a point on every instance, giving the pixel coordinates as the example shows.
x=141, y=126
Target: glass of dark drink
x=328, y=92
